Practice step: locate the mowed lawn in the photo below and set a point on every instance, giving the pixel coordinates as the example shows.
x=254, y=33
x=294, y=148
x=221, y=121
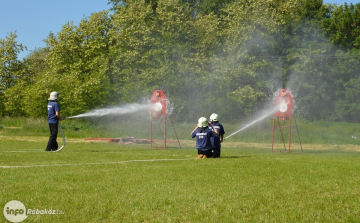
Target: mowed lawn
x=109, y=182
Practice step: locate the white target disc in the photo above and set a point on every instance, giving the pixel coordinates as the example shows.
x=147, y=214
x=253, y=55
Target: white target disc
x=283, y=107
x=158, y=106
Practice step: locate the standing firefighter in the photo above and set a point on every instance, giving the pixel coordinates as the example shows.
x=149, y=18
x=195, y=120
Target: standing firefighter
x=53, y=120
x=203, y=133
x=217, y=139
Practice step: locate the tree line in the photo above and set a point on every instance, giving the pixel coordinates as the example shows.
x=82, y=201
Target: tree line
x=223, y=56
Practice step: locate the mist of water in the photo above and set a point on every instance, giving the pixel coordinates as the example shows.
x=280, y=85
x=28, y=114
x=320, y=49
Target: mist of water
x=123, y=109
x=265, y=114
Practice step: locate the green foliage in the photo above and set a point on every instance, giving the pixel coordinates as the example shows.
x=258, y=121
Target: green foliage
x=219, y=56
x=79, y=62
x=12, y=73
x=10, y=67
x=340, y=26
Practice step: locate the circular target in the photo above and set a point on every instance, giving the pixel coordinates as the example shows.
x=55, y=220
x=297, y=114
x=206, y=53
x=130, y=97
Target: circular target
x=283, y=107
x=158, y=106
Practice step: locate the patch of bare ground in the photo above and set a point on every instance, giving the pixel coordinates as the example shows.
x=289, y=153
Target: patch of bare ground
x=45, y=139
x=192, y=143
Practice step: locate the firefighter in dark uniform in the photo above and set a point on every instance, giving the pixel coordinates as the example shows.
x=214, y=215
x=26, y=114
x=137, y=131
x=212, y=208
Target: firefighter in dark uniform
x=218, y=139
x=53, y=120
x=203, y=133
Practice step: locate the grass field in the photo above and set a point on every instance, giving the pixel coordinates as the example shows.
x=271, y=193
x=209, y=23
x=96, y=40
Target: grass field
x=97, y=181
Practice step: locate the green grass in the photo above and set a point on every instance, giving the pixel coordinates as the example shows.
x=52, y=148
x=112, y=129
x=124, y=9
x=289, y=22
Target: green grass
x=109, y=182
x=319, y=132
x=92, y=182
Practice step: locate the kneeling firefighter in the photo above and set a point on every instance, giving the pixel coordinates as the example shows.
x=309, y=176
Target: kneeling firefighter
x=203, y=133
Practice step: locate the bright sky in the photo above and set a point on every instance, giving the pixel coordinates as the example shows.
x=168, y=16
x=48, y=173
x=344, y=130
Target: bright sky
x=341, y=1
x=34, y=20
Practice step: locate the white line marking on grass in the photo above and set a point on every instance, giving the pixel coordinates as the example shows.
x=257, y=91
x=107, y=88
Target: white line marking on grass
x=82, y=164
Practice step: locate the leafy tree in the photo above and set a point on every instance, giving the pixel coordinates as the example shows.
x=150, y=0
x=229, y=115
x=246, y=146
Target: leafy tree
x=79, y=62
x=20, y=98
x=342, y=27
x=219, y=56
x=246, y=64
x=302, y=60
x=12, y=71
x=348, y=106
x=35, y=96
x=168, y=50
x=10, y=67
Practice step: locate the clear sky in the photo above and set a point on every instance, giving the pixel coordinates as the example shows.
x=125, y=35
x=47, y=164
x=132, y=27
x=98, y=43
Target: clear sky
x=33, y=20
x=341, y=1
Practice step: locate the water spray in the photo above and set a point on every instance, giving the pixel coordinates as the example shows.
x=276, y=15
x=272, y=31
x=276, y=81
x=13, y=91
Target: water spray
x=270, y=112
x=124, y=109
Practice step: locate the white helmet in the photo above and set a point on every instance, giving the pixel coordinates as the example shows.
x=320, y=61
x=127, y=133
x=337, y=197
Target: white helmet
x=203, y=122
x=53, y=96
x=214, y=117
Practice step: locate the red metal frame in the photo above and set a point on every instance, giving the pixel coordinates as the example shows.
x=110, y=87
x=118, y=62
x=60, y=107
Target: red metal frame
x=158, y=97
x=284, y=100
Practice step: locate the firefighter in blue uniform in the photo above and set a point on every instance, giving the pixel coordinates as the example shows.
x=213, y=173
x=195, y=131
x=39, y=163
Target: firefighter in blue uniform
x=203, y=133
x=53, y=120
x=217, y=139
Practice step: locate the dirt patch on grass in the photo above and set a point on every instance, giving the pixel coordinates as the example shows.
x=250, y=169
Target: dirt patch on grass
x=192, y=143
x=43, y=139
x=354, y=148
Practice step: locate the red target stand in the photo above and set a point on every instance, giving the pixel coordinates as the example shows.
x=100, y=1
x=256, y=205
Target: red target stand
x=158, y=115
x=284, y=102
